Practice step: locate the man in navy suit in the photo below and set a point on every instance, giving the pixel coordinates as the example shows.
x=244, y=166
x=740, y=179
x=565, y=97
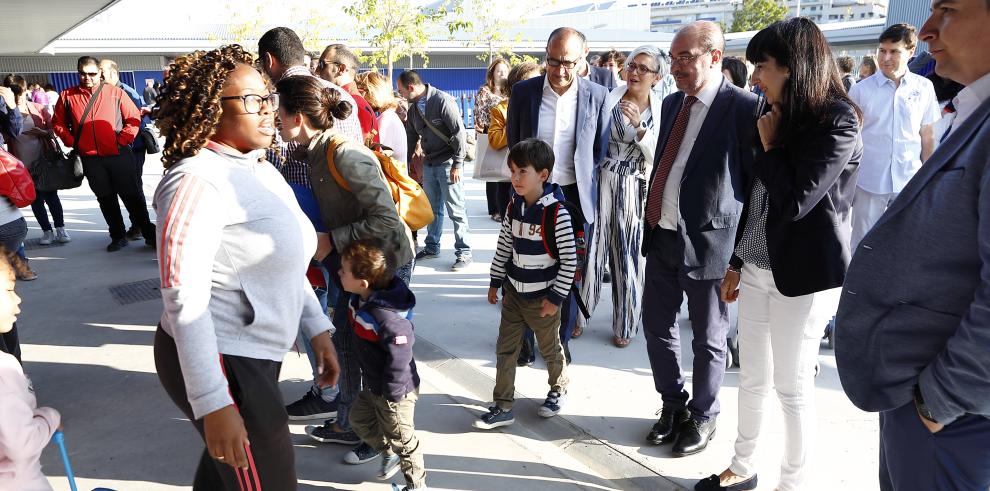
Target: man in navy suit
x=567, y=112
x=913, y=329
x=692, y=209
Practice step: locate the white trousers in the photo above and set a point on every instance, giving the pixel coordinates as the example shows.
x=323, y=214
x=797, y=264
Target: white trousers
x=867, y=210
x=778, y=346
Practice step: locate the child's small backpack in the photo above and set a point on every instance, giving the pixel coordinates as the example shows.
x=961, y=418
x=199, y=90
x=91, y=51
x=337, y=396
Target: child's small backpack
x=410, y=200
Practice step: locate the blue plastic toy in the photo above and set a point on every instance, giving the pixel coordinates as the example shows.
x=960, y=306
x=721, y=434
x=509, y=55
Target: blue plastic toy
x=59, y=439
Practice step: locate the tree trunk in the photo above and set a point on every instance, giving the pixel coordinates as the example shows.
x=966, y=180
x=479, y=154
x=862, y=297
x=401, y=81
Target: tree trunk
x=388, y=57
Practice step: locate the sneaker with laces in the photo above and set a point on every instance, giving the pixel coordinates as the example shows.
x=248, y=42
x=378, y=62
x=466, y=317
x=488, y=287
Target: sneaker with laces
x=494, y=418
x=326, y=434
x=311, y=406
x=361, y=454
x=461, y=263
x=47, y=238
x=397, y=487
x=551, y=406
x=425, y=254
x=61, y=236
x=133, y=233
x=390, y=464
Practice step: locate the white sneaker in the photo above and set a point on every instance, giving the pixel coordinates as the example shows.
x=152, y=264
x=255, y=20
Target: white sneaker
x=47, y=238
x=61, y=236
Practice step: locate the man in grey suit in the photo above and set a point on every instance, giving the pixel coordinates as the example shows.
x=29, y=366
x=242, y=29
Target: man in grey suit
x=566, y=111
x=913, y=327
x=692, y=210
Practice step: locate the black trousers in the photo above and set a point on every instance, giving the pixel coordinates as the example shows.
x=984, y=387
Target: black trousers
x=254, y=388
x=666, y=283
x=116, y=176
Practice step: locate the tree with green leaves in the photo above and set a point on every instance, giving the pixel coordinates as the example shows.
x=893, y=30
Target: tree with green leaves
x=754, y=15
x=398, y=28
x=490, y=27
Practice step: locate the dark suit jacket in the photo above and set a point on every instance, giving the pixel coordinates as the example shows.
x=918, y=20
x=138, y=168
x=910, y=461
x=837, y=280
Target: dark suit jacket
x=592, y=131
x=713, y=187
x=602, y=76
x=810, y=185
x=915, y=306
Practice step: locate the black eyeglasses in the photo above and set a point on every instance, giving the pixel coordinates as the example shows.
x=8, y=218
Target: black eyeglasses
x=639, y=69
x=254, y=102
x=89, y=74
x=321, y=64
x=685, y=59
x=567, y=64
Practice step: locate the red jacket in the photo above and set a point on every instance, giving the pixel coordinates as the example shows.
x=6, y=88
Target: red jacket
x=366, y=115
x=113, y=120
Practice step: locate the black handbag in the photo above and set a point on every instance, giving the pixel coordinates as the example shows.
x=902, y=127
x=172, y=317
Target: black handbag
x=150, y=142
x=54, y=170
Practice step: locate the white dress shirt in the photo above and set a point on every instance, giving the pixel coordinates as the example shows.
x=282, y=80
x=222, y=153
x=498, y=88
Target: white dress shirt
x=969, y=99
x=892, y=119
x=558, y=127
x=670, y=212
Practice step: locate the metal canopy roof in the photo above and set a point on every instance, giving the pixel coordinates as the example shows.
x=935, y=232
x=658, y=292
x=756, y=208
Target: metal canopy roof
x=27, y=27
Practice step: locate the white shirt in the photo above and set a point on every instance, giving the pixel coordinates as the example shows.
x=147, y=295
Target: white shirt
x=557, y=127
x=969, y=99
x=392, y=133
x=670, y=212
x=893, y=117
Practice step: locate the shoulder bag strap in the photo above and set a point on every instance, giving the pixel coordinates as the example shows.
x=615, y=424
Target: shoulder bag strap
x=331, y=149
x=429, y=125
x=78, y=132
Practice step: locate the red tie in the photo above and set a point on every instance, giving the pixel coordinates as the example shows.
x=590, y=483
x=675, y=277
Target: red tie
x=655, y=202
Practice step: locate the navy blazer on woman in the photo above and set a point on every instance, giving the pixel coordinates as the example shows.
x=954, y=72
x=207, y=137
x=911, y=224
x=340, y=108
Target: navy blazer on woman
x=713, y=186
x=591, y=140
x=810, y=186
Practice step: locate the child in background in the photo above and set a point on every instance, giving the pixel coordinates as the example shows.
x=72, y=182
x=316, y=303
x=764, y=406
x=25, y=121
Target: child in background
x=380, y=307
x=537, y=282
x=25, y=429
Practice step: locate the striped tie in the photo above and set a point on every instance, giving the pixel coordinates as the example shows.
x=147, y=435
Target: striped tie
x=655, y=201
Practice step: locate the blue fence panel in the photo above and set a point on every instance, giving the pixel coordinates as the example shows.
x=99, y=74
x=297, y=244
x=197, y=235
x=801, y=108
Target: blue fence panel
x=63, y=80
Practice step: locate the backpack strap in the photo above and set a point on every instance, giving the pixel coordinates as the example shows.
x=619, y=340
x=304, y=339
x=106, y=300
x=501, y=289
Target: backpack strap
x=331, y=149
x=549, y=235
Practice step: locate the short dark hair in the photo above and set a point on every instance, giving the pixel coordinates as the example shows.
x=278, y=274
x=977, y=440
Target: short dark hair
x=901, y=32
x=410, y=77
x=284, y=45
x=737, y=70
x=611, y=55
x=532, y=152
x=567, y=32
x=846, y=64
x=370, y=262
x=343, y=54
x=86, y=61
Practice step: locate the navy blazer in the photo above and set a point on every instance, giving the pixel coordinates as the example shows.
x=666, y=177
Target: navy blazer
x=602, y=76
x=592, y=131
x=915, y=306
x=810, y=188
x=713, y=186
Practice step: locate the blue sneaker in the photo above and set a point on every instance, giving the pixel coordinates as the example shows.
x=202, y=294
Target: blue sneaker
x=361, y=454
x=551, y=406
x=494, y=418
x=326, y=434
x=390, y=464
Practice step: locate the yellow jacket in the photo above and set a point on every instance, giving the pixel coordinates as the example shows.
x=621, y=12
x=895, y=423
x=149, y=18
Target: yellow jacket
x=497, y=138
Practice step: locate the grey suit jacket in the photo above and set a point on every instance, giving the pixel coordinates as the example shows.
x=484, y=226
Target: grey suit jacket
x=592, y=131
x=915, y=306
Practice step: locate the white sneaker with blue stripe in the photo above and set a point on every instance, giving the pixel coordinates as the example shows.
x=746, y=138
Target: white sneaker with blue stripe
x=551, y=406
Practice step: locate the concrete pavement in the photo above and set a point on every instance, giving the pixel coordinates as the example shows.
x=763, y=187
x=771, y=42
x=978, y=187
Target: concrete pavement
x=87, y=327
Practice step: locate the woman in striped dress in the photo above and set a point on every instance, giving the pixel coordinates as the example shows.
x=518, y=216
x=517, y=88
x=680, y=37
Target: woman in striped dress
x=618, y=231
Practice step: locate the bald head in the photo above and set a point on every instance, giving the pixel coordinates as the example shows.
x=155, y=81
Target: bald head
x=706, y=35
x=108, y=68
x=566, y=34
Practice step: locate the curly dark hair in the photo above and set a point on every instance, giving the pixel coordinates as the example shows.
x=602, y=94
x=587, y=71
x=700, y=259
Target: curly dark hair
x=188, y=109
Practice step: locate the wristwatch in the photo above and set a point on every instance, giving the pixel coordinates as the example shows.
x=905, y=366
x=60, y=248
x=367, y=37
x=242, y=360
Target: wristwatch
x=919, y=402
x=642, y=124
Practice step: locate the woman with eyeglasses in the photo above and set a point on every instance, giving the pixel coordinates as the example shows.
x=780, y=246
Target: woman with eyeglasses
x=233, y=249
x=618, y=231
x=792, y=244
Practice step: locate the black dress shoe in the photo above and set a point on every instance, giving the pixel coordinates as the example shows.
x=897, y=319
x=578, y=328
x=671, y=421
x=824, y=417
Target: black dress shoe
x=665, y=429
x=693, y=437
x=133, y=233
x=711, y=484
x=117, y=245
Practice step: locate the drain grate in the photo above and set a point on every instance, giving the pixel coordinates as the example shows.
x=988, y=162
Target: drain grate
x=32, y=244
x=137, y=291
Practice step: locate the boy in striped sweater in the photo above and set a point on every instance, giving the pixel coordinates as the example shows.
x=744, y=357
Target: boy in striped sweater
x=535, y=269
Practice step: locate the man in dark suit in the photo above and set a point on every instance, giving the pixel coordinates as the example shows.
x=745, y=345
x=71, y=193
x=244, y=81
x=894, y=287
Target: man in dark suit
x=567, y=112
x=599, y=75
x=707, y=132
x=913, y=327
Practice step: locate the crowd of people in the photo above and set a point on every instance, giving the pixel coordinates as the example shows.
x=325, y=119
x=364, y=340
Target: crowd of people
x=779, y=181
